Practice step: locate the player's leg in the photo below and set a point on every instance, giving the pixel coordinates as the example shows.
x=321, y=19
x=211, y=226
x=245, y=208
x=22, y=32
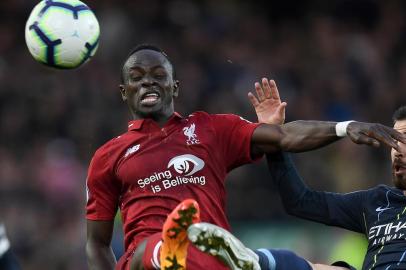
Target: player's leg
x=318, y=266
x=174, y=235
x=137, y=261
x=218, y=242
x=146, y=256
x=167, y=250
x=279, y=259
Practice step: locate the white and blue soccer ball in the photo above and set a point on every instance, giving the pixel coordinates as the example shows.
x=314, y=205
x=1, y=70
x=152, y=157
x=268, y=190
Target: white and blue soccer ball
x=62, y=33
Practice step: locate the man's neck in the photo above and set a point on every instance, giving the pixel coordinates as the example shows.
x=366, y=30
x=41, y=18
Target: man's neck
x=161, y=120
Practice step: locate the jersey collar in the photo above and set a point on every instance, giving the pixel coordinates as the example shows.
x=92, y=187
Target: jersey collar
x=137, y=124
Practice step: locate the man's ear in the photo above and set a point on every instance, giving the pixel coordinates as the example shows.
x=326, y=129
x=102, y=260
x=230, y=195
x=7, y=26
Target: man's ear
x=123, y=92
x=176, y=88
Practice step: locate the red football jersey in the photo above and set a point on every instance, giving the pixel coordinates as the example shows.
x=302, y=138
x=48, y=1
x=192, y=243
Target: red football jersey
x=149, y=170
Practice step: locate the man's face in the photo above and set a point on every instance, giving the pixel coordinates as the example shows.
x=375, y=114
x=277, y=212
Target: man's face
x=399, y=159
x=149, y=89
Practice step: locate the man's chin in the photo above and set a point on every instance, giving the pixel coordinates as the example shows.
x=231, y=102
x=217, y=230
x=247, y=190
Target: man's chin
x=154, y=113
x=150, y=110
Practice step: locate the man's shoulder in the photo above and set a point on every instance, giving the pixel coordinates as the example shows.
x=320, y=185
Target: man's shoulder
x=382, y=192
x=112, y=146
x=199, y=114
x=206, y=114
x=200, y=117
x=216, y=116
x=383, y=188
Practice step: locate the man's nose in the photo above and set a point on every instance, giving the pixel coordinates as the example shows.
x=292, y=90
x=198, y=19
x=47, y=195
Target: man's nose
x=399, y=154
x=147, y=81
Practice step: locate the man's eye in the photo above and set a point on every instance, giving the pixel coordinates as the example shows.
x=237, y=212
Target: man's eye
x=136, y=78
x=160, y=76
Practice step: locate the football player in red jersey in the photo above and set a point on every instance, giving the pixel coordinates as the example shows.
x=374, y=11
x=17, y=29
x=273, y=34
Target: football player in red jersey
x=165, y=158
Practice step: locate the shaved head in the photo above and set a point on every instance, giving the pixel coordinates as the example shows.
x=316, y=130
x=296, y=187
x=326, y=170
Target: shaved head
x=125, y=67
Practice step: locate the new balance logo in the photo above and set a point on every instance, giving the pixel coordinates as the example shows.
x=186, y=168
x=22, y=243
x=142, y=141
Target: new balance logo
x=190, y=134
x=132, y=150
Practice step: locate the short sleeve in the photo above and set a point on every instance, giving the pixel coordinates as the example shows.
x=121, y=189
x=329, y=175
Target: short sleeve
x=102, y=189
x=234, y=138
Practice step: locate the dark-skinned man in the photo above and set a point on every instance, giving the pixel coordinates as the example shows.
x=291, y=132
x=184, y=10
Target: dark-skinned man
x=165, y=158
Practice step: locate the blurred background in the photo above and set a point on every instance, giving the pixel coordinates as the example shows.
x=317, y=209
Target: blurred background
x=332, y=60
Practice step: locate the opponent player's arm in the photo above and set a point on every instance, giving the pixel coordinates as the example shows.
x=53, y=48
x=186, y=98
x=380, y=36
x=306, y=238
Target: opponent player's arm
x=336, y=209
x=99, y=253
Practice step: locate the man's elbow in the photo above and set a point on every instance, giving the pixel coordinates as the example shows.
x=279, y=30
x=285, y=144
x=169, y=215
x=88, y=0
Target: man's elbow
x=290, y=210
x=284, y=140
x=288, y=144
x=91, y=252
x=94, y=249
x=291, y=207
x=99, y=257
x=89, y=248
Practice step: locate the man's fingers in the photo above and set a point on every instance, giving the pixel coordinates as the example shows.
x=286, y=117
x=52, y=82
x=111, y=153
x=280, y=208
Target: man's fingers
x=266, y=88
x=396, y=146
x=374, y=135
x=386, y=139
x=260, y=91
x=253, y=99
x=282, y=107
x=372, y=142
x=388, y=136
x=395, y=134
x=375, y=143
x=364, y=139
x=274, y=89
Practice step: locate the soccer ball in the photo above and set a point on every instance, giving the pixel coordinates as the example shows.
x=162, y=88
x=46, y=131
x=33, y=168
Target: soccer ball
x=62, y=33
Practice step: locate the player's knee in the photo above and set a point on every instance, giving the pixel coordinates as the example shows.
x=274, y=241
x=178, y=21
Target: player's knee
x=291, y=260
x=280, y=259
x=137, y=259
x=318, y=266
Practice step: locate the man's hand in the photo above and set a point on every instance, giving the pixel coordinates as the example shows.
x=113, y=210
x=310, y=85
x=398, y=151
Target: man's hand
x=374, y=134
x=268, y=105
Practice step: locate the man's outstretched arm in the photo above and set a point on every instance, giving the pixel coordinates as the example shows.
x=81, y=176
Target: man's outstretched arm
x=336, y=209
x=300, y=136
x=98, y=250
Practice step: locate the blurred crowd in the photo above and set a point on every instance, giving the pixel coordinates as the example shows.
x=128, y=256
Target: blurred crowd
x=332, y=60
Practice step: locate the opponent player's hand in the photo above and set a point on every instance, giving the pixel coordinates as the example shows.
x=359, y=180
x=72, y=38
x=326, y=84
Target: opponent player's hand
x=267, y=104
x=374, y=134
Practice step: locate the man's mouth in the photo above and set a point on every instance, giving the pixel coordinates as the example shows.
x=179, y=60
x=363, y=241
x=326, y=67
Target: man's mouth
x=150, y=98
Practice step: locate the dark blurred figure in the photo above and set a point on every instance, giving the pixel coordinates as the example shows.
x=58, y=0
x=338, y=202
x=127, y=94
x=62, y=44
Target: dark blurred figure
x=7, y=258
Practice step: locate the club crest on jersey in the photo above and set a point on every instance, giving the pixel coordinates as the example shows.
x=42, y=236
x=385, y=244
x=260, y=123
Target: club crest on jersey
x=191, y=135
x=186, y=164
x=132, y=150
